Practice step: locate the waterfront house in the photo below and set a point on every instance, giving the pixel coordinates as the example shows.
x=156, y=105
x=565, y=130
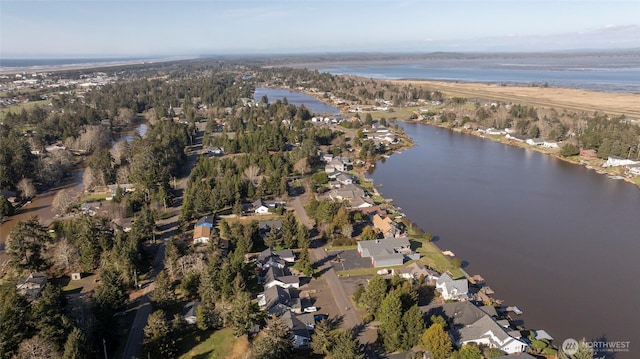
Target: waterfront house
x=471, y=324
x=534, y=142
x=189, y=312
x=615, y=161
x=347, y=192
x=452, y=289
x=516, y=137
x=485, y=331
x=634, y=169
x=386, y=226
x=415, y=271
x=588, y=154
x=386, y=252
x=201, y=234
x=360, y=203
x=550, y=144
x=32, y=285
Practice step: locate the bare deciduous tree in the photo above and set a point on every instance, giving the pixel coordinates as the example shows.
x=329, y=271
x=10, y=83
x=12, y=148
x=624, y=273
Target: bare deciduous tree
x=122, y=174
x=302, y=166
x=94, y=137
x=37, y=348
x=88, y=180
x=63, y=199
x=252, y=173
x=124, y=117
x=118, y=150
x=26, y=187
x=65, y=255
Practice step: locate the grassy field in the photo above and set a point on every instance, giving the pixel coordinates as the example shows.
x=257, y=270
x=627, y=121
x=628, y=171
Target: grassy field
x=613, y=103
x=201, y=345
x=18, y=107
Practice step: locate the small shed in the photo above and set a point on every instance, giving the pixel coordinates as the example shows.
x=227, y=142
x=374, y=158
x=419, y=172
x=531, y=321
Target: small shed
x=76, y=276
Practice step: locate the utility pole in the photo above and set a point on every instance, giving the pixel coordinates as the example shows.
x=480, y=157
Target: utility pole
x=104, y=346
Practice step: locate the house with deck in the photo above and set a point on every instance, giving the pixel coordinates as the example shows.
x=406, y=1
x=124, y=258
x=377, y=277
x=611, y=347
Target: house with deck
x=201, y=234
x=452, y=289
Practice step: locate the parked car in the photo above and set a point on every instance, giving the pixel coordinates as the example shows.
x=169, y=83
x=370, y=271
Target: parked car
x=310, y=309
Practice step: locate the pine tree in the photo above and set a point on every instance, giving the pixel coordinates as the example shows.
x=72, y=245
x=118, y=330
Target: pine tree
x=74, y=347
x=322, y=339
x=390, y=316
x=413, y=325
x=275, y=342
x=374, y=294
x=345, y=346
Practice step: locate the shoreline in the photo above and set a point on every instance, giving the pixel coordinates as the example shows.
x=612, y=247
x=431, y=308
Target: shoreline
x=588, y=164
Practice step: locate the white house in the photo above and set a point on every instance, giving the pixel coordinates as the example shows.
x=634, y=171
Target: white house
x=201, y=234
x=452, y=289
x=550, y=144
x=485, y=331
x=615, y=161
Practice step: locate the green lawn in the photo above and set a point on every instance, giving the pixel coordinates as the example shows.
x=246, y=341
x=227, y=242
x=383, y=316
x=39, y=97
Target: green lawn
x=433, y=257
x=18, y=107
x=209, y=345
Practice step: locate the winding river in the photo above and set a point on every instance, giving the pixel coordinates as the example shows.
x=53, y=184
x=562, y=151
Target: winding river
x=558, y=240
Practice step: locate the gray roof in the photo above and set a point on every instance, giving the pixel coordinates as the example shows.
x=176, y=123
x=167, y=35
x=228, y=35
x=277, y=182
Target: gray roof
x=480, y=328
x=298, y=324
x=460, y=285
x=190, y=309
x=384, y=247
x=269, y=225
x=276, y=295
x=280, y=274
x=348, y=191
x=457, y=313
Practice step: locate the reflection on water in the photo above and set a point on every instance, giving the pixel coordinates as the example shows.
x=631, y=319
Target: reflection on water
x=295, y=98
x=555, y=239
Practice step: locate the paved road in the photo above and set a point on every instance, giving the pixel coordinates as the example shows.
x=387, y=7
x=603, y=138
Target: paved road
x=133, y=348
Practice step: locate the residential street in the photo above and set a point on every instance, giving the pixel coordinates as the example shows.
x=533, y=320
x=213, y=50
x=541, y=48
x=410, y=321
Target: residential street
x=168, y=228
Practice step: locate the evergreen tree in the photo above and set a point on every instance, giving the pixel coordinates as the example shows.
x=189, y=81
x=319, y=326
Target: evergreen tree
x=374, y=294
x=275, y=341
x=163, y=294
x=437, y=342
x=74, y=347
x=322, y=339
x=413, y=325
x=244, y=314
x=111, y=294
x=26, y=242
x=390, y=316
x=15, y=323
x=158, y=340
x=50, y=320
x=304, y=264
x=345, y=346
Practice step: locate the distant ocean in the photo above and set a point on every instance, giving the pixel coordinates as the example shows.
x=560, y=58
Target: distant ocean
x=15, y=65
x=605, y=73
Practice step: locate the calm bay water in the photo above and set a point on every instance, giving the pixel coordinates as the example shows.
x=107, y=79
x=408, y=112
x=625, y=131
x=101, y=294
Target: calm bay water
x=558, y=240
x=295, y=98
x=596, y=73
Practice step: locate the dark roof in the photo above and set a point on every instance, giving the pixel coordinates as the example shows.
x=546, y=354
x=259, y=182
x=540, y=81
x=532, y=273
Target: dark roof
x=206, y=219
x=269, y=225
x=190, y=309
x=457, y=313
x=276, y=295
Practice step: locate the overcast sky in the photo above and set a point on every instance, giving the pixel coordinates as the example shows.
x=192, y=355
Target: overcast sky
x=89, y=28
